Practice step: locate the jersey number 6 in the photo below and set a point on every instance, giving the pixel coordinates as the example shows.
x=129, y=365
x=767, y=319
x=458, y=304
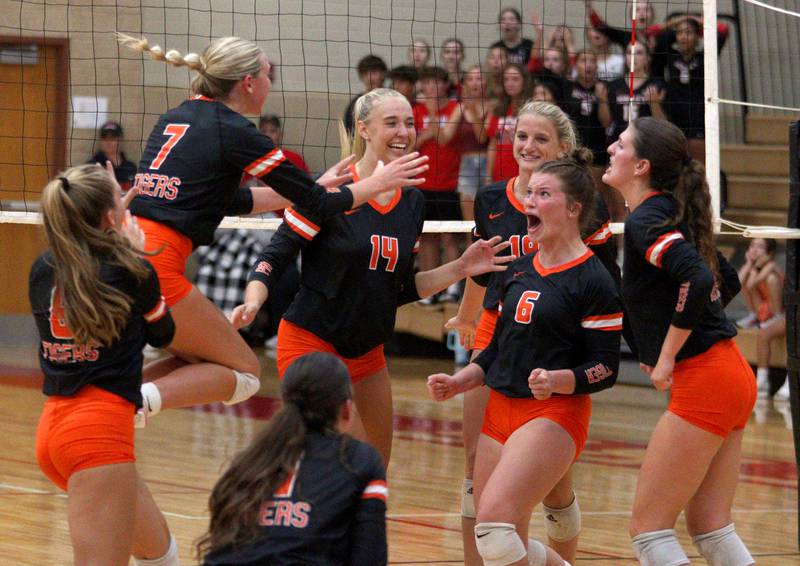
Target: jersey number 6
x=525, y=307
x=386, y=247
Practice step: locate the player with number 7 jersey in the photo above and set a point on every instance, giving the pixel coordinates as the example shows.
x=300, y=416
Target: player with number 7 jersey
x=359, y=267
x=189, y=179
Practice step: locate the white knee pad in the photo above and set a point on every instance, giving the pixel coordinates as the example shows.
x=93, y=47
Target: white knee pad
x=723, y=547
x=659, y=548
x=563, y=524
x=537, y=553
x=170, y=558
x=467, y=499
x=247, y=385
x=499, y=544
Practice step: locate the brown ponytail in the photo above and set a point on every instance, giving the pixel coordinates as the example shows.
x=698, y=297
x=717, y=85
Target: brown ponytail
x=314, y=388
x=673, y=171
x=73, y=207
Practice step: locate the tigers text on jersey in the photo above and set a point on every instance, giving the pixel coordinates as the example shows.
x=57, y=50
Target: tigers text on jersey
x=498, y=212
x=191, y=168
x=358, y=267
x=68, y=366
x=330, y=512
x=665, y=281
x=564, y=317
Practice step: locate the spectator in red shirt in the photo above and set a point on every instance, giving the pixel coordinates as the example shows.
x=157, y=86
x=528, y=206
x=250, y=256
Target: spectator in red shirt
x=517, y=88
x=436, y=118
x=270, y=125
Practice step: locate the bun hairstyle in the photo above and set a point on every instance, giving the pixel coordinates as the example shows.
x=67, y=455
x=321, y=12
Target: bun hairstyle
x=74, y=208
x=223, y=63
x=362, y=110
x=576, y=181
x=673, y=171
x=313, y=389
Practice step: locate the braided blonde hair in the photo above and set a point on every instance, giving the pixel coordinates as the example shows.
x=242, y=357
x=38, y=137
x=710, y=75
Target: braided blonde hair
x=220, y=66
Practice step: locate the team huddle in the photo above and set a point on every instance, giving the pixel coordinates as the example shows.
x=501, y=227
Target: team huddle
x=544, y=310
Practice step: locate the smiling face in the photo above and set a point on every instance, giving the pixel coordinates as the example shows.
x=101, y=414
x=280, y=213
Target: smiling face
x=389, y=130
x=547, y=208
x=623, y=163
x=535, y=142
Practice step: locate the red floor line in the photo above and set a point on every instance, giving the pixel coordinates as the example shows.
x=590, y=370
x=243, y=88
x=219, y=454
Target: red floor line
x=420, y=524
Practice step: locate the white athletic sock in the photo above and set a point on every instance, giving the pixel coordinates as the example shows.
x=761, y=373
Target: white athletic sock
x=151, y=398
x=762, y=379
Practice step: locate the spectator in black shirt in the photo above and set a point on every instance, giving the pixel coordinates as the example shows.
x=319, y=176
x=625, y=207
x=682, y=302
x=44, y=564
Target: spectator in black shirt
x=518, y=48
x=110, y=140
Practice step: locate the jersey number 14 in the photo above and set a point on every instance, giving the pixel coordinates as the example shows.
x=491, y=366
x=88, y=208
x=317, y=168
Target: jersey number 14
x=383, y=247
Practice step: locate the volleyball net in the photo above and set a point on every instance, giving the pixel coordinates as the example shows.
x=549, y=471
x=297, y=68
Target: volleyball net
x=63, y=75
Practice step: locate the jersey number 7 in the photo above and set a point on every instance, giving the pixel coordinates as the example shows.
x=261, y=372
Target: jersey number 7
x=386, y=247
x=175, y=133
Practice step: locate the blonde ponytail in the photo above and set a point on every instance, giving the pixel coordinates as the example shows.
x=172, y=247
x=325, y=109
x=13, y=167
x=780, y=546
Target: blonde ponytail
x=223, y=63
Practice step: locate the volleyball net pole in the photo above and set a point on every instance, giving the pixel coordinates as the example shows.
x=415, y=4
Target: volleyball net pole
x=711, y=95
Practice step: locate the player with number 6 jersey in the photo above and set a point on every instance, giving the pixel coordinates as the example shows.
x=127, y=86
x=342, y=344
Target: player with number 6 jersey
x=359, y=267
x=556, y=341
x=543, y=133
x=189, y=179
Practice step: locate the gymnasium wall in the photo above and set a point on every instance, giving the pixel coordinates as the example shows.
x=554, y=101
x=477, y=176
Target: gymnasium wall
x=315, y=78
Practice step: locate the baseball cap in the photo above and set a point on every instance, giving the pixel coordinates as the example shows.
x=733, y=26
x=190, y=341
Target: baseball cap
x=111, y=129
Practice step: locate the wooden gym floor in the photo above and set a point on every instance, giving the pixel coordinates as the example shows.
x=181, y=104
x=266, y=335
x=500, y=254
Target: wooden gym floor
x=181, y=452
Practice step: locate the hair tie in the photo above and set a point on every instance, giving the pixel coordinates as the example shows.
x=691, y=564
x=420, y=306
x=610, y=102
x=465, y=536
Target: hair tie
x=64, y=184
x=687, y=160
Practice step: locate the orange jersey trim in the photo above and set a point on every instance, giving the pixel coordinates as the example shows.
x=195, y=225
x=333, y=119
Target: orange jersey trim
x=655, y=253
x=300, y=224
x=605, y=322
x=512, y=196
x=545, y=271
x=265, y=164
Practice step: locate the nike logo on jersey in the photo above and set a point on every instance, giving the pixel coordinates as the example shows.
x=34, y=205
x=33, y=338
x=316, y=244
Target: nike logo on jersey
x=518, y=274
x=494, y=215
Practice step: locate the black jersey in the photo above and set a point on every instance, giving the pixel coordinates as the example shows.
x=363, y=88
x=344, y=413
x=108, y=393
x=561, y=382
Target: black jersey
x=358, y=267
x=622, y=110
x=518, y=54
x=498, y=212
x=665, y=281
x=565, y=317
x=191, y=169
x=68, y=366
x=585, y=115
x=330, y=512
